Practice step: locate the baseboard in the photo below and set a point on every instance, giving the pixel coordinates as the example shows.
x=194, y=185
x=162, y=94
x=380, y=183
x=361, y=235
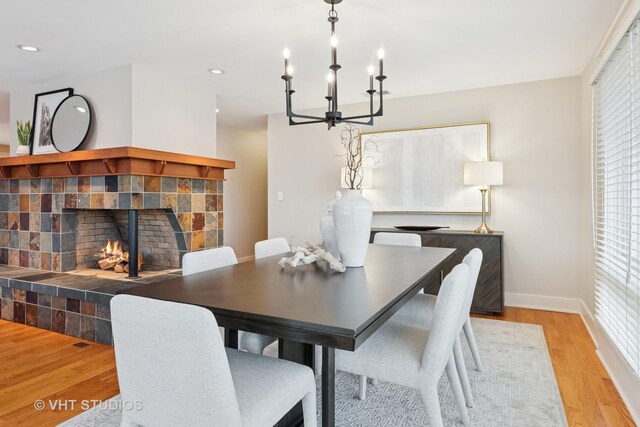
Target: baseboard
x=590, y=323
x=623, y=378
x=542, y=302
x=246, y=258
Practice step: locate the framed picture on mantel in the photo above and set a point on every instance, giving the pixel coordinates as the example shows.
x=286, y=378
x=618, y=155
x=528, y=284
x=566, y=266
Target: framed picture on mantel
x=44, y=106
x=421, y=170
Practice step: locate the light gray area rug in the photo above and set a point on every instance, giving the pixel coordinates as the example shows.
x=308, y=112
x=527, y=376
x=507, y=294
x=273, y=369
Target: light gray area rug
x=516, y=388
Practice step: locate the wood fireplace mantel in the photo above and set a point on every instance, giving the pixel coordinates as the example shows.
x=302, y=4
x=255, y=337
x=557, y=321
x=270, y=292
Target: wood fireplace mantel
x=114, y=161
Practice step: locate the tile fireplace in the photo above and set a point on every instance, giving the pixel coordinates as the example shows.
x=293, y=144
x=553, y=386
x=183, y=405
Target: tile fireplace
x=59, y=224
x=57, y=212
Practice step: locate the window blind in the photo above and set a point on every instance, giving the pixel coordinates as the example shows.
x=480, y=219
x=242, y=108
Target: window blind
x=616, y=197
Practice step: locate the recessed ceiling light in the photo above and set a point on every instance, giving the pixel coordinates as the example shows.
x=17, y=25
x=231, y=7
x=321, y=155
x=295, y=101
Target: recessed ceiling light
x=217, y=71
x=28, y=48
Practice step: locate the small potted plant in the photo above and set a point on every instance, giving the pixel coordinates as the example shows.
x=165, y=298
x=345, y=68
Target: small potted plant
x=23, y=131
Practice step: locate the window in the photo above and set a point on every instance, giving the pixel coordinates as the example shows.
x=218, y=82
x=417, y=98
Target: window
x=616, y=209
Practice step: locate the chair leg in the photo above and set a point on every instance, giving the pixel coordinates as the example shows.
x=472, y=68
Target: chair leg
x=374, y=381
x=471, y=340
x=363, y=387
x=462, y=372
x=456, y=389
x=309, y=414
x=432, y=405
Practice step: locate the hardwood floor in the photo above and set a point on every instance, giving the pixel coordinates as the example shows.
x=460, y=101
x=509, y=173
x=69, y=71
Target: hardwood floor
x=40, y=365
x=588, y=394
x=36, y=364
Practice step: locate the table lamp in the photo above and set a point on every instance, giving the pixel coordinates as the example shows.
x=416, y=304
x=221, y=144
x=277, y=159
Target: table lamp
x=484, y=174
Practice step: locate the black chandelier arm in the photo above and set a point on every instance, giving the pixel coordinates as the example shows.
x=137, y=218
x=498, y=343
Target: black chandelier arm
x=371, y=115
x=316, y=119
x=293, y=115
x=294, y=123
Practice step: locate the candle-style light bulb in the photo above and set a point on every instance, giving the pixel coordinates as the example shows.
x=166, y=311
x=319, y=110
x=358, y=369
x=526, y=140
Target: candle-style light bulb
x=370, y=70
x=330, y=77
x=334, y=41
x=289, y=73
x=286, y=54
x=380, y=61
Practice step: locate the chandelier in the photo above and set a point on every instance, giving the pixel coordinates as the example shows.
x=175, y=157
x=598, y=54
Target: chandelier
x=333, y=116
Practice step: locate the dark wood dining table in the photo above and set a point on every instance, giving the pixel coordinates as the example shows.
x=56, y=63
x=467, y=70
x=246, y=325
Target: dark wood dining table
x=308, y=305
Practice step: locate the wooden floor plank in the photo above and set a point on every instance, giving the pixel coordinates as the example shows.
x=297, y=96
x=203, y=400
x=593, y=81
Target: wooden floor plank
x=41, y=365
x=38, y=364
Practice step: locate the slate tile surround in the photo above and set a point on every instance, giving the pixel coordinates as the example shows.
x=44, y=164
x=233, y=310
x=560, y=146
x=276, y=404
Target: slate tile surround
x=70, y=304
x=38, y=216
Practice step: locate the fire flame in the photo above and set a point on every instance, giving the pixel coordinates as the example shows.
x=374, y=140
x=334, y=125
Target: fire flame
x=114, y=249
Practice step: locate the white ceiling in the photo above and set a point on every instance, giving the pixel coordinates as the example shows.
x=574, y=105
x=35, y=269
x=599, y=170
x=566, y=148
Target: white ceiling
x=432, y=45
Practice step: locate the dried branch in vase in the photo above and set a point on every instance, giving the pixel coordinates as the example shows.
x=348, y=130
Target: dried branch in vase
x=356, y=155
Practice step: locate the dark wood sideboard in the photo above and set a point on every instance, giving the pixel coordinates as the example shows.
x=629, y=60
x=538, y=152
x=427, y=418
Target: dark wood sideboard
x=489, y=295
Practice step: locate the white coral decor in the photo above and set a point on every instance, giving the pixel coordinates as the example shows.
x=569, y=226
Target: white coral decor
x=311, y=254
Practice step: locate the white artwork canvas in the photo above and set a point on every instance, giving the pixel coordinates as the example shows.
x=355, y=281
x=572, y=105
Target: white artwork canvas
x=422, y=170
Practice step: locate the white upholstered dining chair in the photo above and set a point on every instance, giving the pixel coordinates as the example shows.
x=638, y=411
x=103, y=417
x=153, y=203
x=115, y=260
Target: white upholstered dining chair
x=397, y=239
x=170, y=359
x=256, y=343
x=208, y=259
x=419, y=311
x=271, y=247
x=392, y=239
x=211, y=259
x=416, y=357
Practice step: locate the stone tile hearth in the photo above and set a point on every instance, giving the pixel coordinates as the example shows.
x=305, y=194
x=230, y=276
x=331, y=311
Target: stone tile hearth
x=74, y=303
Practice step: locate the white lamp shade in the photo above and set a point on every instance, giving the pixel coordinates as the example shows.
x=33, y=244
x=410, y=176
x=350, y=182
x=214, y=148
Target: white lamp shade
x=483, y=173
x=367, y=178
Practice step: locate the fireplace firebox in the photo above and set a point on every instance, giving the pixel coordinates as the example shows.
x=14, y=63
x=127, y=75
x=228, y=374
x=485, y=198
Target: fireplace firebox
x=104, y=240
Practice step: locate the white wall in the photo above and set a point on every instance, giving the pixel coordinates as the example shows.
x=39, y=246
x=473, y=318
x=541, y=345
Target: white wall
x=136, y=105
x=535, y=131
x=245, y=188
x=5, y=127
x=108, y=92
x=172, y=114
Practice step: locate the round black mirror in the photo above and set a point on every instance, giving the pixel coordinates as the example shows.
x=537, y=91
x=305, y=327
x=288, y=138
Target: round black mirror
x=70, y=123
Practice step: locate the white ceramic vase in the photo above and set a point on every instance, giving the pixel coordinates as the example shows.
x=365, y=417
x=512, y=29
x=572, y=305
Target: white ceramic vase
x=328, y=231
x=352, y=220
x=22, y=150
